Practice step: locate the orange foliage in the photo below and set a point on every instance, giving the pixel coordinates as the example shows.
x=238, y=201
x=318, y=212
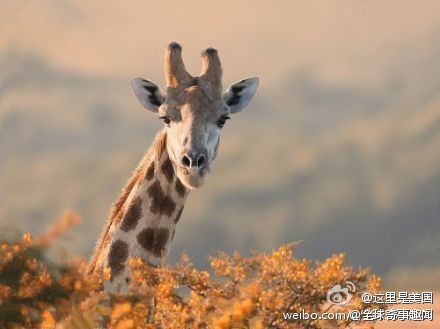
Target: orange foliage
x=240, y=292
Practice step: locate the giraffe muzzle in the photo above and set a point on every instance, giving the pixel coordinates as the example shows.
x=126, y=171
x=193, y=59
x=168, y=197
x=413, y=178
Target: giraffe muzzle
x=194, y=160
x=193, y=169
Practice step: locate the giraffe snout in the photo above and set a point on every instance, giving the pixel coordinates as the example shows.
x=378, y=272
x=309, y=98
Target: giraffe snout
x=193, y=160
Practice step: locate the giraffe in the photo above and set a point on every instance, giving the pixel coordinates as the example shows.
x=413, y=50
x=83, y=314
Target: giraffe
x=143, y=219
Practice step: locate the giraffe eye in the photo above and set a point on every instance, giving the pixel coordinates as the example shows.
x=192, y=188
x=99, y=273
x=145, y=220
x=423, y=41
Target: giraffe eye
x=221, y=122
x=166, y=120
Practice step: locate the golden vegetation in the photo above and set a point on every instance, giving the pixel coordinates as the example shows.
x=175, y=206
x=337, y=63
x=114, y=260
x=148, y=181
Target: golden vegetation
x=239, y=292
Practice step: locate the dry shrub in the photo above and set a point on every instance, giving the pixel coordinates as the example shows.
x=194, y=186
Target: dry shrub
x=240, y=292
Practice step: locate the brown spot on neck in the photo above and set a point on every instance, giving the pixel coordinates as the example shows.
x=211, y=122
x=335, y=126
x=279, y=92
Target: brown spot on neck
x=167, y=169
x=160, y=203
x=117, y=256
x=180, y=188
x=150, y=172
x=132, y=215
x=154, y=240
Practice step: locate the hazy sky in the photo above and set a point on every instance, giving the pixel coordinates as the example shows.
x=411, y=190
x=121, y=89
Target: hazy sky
x=345, y=41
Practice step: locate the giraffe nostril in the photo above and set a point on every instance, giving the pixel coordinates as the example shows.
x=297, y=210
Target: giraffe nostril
x=194, y=160
x=201, y=160
x=186, y=161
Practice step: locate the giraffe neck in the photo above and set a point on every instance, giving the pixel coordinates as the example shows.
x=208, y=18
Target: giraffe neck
x=144, y=225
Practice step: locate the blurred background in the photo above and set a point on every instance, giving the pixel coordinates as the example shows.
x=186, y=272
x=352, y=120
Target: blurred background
x=340, y=147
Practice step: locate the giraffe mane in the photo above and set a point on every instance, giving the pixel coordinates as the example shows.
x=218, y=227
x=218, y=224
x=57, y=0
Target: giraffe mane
x=117, y=209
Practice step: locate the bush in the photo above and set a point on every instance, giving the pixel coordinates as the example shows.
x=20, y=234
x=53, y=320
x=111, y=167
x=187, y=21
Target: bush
x=239, y=292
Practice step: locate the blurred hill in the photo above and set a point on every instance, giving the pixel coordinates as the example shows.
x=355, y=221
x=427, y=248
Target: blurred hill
x=342, y=169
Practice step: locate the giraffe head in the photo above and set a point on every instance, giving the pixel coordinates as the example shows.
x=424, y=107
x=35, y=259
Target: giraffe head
x=194, y=110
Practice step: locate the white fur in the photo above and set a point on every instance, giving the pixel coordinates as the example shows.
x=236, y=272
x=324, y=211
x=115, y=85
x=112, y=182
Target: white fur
x=246, y=94
x=140, y=87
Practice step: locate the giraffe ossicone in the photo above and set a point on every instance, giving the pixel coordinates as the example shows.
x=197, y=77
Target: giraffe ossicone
x=143, y=219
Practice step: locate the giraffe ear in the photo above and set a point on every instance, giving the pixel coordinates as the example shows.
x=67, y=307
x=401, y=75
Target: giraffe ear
x=240, y=94
x=148, y=94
